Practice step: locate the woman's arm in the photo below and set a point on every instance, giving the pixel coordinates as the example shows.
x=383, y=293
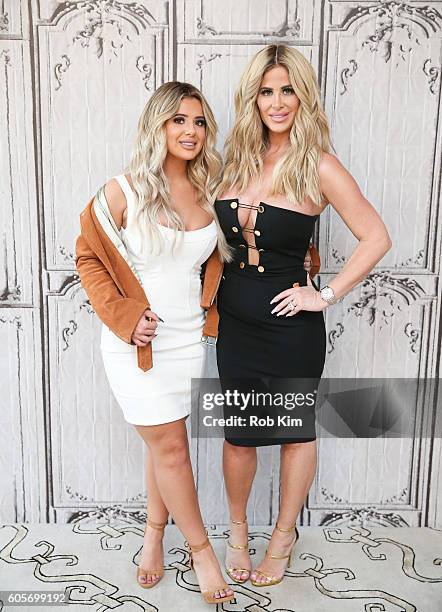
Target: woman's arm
x=342, y=192
x=119, y=313
x=129, y=319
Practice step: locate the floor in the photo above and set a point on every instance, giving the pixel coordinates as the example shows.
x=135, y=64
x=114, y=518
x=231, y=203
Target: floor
x=346, y=569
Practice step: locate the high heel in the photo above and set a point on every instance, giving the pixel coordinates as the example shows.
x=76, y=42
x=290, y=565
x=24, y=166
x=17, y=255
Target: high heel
x=271, y=580
x=159, y=573
x=209, y=595
x=231, y=570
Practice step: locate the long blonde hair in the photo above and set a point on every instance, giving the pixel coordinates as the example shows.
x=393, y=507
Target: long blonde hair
x=150, y=151
x=296, y=174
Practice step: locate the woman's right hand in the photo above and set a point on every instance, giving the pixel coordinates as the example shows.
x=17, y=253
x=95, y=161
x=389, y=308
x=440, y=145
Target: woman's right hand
x=144, y=331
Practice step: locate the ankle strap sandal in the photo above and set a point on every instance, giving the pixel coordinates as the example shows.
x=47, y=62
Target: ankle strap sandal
x=149, y=573
x=209, y=595
x=269, y=579
x=232, y=570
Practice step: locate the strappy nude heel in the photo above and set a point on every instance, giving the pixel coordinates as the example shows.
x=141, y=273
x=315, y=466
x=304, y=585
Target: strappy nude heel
x=230, y=570
x=159, y=573
x=271, y=580
x=209, y=595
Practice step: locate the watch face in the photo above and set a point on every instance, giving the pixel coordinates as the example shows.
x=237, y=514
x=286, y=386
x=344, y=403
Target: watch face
x=327, y=293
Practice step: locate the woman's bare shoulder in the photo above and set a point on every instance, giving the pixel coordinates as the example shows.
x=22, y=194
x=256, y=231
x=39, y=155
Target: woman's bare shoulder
x=329, y=163
x=116, y=200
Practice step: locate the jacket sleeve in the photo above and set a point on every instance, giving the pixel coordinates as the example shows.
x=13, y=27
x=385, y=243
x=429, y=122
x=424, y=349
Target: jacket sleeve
x=119, y=313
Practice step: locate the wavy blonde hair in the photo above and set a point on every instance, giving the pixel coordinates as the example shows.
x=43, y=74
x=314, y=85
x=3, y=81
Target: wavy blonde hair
x=146, y=166
x=296, y=174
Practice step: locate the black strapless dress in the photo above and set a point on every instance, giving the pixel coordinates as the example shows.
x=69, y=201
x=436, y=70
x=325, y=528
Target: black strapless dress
x=256, y=350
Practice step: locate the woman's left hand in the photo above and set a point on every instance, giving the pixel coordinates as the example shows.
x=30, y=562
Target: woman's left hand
x=302, y=298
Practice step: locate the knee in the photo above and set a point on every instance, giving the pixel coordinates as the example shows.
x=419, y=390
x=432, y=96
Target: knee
x=173, y=452
x=293, y=448
x=241, y=453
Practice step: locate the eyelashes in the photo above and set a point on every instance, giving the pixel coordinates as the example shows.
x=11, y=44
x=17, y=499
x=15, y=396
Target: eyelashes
x=287, y=91
x=198, y=122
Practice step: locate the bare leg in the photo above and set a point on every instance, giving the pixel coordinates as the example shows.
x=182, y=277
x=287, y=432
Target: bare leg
x=152, y=554
x=298, y=466
x=239, y=466
x=173, y=472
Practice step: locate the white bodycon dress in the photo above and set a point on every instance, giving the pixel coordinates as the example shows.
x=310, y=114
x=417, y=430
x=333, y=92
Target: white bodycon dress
x=172, y=284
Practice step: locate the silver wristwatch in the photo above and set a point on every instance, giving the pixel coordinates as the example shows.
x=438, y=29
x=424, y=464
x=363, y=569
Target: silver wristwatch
x=328, y=295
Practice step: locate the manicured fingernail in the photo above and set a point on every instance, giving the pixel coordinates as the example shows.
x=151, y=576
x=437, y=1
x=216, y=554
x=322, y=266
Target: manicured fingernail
x=273, y=311
x=279, y=314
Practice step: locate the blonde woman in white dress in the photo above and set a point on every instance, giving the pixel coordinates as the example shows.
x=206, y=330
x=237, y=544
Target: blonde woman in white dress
x=163, y=212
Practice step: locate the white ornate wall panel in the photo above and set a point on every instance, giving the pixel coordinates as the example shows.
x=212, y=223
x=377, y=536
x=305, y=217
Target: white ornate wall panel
x=237, y=23
x=88, y=433
x=22, y=442
x=382, y=89
x=99, y=63
x=18, y=214
x=381, y=75
x=74, y=77
x=12, y=14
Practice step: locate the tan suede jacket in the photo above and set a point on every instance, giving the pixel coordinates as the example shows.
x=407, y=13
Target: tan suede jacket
x=115, y=293
x=117, y=296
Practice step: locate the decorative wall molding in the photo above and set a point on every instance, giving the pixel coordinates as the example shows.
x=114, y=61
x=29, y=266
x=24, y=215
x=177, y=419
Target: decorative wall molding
x=392, y=14
x=203, y=59
x=10, y=293
x=15, y=320
x=333, y=335
x=399, y=26
x=433, y=74
x=415, y=260
x=347, y=73
x=4, y=55
x=87, y=307
x=204, y=28
x=59, y=70
x=67, y=255
x=327, y=495
x=363, y=516
x=102, y=12
x=290, y=28
x=67, y=332
x=414, y=334
x=146, y=70
x=288, y=22
x=395, y=499
x=340, y=259
x=107, y=512
x=4, y=22
x=95, y=31
x=380, y=293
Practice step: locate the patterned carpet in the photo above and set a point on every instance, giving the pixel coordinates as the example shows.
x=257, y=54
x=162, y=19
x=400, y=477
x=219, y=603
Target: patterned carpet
x=345, y=569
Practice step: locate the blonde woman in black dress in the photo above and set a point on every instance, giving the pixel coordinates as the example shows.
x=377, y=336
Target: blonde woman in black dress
x=279, y=176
